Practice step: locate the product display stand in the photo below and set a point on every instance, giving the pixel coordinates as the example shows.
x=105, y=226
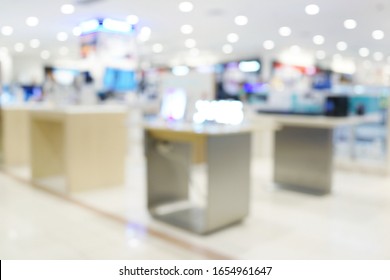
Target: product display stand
x=77, y=149
x=225, y=155
x=15, y=136
x=303, y=158
x=303, y=150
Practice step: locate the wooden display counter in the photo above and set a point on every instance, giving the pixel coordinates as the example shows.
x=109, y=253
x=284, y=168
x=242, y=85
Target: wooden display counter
x=86, y=147
x=15, y=134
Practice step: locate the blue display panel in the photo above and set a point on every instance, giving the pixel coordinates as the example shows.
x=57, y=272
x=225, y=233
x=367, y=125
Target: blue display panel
x=119, y=80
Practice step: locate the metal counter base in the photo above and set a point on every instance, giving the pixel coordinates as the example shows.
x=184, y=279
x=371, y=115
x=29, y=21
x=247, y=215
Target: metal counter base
x=170, y=162
x=303, y=158
x=191, y=219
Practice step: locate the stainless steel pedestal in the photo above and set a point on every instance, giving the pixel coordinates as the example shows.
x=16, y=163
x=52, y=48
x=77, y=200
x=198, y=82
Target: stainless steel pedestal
x=223, y=197
x=303, y=158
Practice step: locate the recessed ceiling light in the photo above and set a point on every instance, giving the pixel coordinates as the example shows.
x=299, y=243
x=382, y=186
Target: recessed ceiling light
x=295, y=49
x=318, y=39
x=132, y=19
x=157, y=48
x=364, y=52
x=19, y=47
x=190, y=43
x=350, y=24
x=312, y=9
x=232, y=37
x=67, y=9
x=378, y=56
x=186, y=29
x=77, y=31
x=320, y=54
x=268, y=45
x=62, y=36
x=241, y=20
x=341, y=46
x=7, y=30
x=285, y=31
x=378, y=34
x=186, y=7
x=144, y=34
x=32, y=21
x=194, y=52
x=227, y=48
x=35, y=43
x=63, y=51
x=45, y=54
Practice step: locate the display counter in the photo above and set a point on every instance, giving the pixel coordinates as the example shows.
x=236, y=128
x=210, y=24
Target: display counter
x=1, y=137
x=15, y=131
x=174, y=193
x=303, y=149
x=78, y=148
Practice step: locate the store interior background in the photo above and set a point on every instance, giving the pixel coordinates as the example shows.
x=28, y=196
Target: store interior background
x=156, y=60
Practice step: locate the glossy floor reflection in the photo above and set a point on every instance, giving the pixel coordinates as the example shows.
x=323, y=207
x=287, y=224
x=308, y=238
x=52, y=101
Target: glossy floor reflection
x=38, y=225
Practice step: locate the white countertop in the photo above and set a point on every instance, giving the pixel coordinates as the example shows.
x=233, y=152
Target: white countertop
x=80, y=109
x=208, y=129
x=311, y=121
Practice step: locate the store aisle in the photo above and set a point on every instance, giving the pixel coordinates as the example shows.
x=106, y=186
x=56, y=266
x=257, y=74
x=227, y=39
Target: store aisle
x=38, y=225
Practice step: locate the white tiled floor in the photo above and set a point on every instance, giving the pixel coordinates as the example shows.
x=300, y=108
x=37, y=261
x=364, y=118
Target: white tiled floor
x=351, y=223
x=37, y=225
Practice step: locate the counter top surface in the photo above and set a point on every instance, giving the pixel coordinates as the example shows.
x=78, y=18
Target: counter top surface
x=313, y=121
x=98, y=109
x=212, y=129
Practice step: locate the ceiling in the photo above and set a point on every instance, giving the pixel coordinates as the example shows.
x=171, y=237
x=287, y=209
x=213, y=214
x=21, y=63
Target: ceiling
x=212, y=21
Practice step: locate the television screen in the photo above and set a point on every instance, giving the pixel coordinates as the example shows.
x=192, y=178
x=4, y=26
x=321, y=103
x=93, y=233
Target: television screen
x=238, y=78
x=119, y=80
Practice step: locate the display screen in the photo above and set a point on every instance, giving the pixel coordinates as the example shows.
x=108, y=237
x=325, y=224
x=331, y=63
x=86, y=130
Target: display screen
x=173, y=104
x=119, y=80
x=301, y=77
x=237, y=79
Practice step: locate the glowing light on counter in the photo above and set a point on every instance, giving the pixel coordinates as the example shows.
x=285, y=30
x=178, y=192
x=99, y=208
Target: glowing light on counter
x=222, y=112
